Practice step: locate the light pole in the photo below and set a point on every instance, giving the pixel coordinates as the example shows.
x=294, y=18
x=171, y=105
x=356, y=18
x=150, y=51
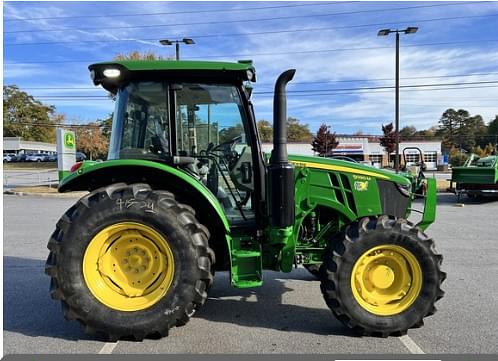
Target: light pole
x=385, y=32
x=177, y=42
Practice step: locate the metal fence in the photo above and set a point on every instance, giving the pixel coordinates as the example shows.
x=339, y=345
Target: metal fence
x=20, y=178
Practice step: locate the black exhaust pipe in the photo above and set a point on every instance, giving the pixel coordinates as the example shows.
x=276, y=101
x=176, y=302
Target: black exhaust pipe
x=281, y=172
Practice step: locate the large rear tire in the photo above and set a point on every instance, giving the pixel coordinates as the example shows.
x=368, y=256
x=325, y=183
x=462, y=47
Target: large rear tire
x=129, y=261
x=381, y=276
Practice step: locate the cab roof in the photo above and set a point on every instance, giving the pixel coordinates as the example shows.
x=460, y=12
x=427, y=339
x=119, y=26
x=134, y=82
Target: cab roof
x=180, y=69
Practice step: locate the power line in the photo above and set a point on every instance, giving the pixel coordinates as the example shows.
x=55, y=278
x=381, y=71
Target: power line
x=245, y=20
x=198, y=36
x=314, y=91
x=389, y=91
x=384, y=87
x=303, y=82
x=180, y=12
x=273, y=53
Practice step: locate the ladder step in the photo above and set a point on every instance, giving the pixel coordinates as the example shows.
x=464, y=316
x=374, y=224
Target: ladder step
x=245, y=254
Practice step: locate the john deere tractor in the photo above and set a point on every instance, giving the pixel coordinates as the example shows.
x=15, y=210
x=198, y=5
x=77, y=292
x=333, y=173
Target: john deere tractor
x=187, y=191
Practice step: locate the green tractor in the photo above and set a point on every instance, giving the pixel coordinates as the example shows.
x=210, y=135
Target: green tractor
x=187, y=191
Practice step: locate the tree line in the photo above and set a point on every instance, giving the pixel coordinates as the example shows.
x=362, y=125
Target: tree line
x=28, y=118
x=460, y=134
x=459, y=131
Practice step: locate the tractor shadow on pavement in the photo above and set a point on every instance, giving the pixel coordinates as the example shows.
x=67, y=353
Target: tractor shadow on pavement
x=28, y=308
x=269, y=307
x=451, y=199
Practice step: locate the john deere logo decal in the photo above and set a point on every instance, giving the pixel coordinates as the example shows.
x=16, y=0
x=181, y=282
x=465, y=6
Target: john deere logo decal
x=69, y=140
x=361, y=186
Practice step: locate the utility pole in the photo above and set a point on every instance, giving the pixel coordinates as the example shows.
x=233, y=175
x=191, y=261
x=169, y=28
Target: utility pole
x=385, y=32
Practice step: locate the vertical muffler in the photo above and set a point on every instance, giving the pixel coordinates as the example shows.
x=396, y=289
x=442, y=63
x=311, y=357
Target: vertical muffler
x=281, y=172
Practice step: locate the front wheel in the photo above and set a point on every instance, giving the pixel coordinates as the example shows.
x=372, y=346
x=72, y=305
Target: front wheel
x=381, y=276
x=128, y=261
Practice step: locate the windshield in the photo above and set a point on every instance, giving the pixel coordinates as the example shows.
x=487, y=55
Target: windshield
x=206, y=115
x=140, y=124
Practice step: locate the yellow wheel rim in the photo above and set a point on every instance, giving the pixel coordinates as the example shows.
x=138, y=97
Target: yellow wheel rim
x=386, y=280
x=128, y=266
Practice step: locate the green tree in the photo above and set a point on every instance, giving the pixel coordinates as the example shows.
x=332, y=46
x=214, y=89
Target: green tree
x=456, y=158
x=106, y=126
x=407, y=133
x=324, y=141
x=297, y=132
x=449, y=124
x=493, y=132
x=91, y=140
x=25, y=117
x=426, y=133
x=265, y=130
x=461, y=130
x=136, y=55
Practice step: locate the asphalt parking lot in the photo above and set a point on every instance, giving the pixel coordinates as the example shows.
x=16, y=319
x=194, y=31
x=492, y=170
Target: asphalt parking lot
x=286, y=315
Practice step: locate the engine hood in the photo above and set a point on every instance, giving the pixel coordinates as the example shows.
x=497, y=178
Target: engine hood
x=347, y=167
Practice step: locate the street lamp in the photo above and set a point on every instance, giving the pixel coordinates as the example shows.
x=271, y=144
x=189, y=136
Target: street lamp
x=177, y=42
x=385, y=32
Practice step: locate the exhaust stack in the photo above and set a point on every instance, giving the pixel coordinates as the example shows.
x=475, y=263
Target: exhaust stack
x=281, y=172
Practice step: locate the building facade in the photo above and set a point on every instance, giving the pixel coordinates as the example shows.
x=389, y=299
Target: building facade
x=18, y=146
x=368, y=150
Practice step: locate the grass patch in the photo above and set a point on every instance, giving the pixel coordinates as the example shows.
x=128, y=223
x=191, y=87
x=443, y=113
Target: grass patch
x=37, y=189
x=442, y=185
x=30, y=165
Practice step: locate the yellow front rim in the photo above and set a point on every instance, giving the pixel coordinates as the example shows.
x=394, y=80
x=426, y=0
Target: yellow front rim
x=128, y=266
x=386, y=280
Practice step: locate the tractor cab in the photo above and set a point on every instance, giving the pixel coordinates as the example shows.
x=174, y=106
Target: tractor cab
x=201, y=122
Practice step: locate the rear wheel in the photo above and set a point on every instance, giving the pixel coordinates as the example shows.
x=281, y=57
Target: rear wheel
x=127, y=261
x=381, y=276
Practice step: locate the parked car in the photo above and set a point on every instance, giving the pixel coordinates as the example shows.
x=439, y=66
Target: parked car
x=21, y=157
x=37, y=157
x=52, y=158
x=80, y=156
x=9, y=157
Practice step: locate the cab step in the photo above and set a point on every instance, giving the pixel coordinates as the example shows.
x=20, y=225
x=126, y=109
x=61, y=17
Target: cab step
x=246, y=265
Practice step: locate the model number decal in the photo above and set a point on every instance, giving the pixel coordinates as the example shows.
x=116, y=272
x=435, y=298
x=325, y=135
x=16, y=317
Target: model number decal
x=361, y=186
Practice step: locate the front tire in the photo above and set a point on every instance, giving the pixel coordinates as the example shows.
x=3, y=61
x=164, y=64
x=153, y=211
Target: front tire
x=314, y=269
x=381, y=276
x=128, y=261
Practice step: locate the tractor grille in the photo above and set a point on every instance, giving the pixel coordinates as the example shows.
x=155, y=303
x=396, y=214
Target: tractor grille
x=394, y=203
x=342, y=190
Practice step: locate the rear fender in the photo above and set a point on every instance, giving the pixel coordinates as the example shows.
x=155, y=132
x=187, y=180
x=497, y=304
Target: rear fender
x=93, y=175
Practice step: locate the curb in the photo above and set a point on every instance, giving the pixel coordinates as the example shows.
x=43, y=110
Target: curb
x=46, y=195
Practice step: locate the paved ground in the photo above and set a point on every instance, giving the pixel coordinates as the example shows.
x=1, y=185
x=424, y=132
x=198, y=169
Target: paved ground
x=286, y=315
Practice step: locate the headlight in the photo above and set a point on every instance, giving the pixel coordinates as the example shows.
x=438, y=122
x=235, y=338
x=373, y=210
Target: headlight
x=92, y=74
x=250, y=75
x=111, y=73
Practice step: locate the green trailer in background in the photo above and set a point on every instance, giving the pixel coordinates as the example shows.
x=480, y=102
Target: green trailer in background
x=477, y=177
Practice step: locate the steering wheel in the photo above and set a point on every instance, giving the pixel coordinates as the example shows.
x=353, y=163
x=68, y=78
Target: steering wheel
x=227, y=149
x=224, y=145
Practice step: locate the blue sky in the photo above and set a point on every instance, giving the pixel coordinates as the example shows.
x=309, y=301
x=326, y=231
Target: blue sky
x=327, y=42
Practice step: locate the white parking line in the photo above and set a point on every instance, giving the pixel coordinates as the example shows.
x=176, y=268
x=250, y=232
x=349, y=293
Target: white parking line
x=108, y=347
x=411, y=345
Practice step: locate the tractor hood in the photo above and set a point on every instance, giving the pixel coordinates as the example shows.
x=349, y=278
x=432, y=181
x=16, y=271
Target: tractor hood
x=347, y=167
